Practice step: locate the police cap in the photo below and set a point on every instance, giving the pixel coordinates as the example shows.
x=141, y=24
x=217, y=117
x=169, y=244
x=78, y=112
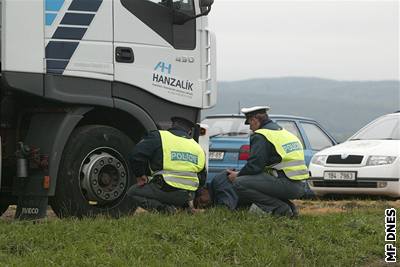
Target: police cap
x=250, y=112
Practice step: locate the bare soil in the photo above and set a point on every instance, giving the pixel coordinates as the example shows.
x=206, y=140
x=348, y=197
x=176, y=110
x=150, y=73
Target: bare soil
x=316, y=207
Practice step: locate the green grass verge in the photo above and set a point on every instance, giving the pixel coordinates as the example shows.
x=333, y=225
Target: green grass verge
x=215, y=238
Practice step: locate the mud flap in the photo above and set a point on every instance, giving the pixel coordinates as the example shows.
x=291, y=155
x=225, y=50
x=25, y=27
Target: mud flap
x=32, y=198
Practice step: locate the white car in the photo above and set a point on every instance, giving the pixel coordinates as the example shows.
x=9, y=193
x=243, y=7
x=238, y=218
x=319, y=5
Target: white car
x=367, y=163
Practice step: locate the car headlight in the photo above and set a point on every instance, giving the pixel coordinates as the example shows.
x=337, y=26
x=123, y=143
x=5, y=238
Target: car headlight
x=380, y=160
x=319, y=160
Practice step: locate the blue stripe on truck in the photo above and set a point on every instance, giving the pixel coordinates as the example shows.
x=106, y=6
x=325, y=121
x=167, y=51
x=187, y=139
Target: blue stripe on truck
x=69, y=33
x=50, y=17
x=59, y=53
x=54, y=5
x=85, y=5
x=60, y=50
x=56, y=66
x=77, y=19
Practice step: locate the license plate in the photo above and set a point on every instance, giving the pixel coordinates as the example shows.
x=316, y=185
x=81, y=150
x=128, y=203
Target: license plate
x=216, y=155
x=341, y=176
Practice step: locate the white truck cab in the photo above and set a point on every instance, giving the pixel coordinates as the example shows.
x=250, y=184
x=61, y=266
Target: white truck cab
x=82, y=81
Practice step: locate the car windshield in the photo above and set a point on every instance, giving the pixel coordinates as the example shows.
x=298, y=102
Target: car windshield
x=384, y=128
x=227, y=126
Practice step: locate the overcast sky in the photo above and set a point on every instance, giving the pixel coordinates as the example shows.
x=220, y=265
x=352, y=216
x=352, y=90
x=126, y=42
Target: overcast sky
x=344, y=40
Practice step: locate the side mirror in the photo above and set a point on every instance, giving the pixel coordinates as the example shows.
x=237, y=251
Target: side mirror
x=181, y=18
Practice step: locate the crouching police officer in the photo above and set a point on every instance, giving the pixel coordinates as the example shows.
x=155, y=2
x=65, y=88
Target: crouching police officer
x=275, y=171
x=169, y=166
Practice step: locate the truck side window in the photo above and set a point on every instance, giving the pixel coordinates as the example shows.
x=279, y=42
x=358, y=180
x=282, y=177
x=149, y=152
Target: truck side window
x=185, y=35
x=161, y=21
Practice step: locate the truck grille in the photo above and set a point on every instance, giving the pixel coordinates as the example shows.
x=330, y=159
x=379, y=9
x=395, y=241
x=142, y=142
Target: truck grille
x=337, y=159
x=345, y=184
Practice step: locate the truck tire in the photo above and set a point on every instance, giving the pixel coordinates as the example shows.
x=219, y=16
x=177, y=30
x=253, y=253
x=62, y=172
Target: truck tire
x=93, y=176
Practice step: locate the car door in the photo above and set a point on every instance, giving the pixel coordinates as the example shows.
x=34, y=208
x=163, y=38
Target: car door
x=291, y=126
x=316, y=137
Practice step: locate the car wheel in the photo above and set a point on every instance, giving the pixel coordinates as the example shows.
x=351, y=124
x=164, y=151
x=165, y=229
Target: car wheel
x=94, y=175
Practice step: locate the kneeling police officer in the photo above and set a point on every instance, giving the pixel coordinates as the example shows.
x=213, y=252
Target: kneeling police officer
x=169, y=166
x=275, y=171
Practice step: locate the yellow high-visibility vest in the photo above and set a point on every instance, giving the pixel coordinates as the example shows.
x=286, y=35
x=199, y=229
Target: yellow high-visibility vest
x=291, y=151
x=183, y=159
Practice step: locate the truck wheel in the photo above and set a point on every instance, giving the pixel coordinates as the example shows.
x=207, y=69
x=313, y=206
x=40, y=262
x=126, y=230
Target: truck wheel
x=94, y=172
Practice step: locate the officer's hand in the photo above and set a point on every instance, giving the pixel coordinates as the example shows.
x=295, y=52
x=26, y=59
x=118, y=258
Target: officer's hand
x=232, y=175
x=142, y=180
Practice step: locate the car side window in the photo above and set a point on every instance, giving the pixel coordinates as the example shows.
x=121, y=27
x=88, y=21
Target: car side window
x=317, y=138
x=291, y=127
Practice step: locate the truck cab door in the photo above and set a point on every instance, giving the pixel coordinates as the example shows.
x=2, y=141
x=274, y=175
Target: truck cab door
x=156, y=55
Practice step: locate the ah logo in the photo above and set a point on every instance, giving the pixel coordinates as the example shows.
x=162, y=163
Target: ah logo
x=164, y=67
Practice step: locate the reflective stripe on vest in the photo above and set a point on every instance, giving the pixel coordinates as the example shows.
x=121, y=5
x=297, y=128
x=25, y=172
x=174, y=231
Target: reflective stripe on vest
x=289, y=147
x=175, y=178
x=183, y=159
x=293, y=163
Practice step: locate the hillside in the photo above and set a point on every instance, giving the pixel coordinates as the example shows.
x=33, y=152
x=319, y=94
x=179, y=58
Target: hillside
x=342, y=107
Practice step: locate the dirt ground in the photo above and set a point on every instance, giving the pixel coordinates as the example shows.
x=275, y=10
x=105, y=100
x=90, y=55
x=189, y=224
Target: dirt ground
x=332, y=206
x=312, y=207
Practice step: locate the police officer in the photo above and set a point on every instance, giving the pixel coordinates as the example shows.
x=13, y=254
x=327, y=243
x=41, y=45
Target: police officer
x=275, y=171
x=169, y=166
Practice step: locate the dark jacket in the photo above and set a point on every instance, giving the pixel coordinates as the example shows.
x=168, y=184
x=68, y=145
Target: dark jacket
x=148, y=152
x=262, y=152
x=221, y=191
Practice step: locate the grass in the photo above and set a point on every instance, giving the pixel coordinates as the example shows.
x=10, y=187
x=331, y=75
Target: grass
x=217, y=237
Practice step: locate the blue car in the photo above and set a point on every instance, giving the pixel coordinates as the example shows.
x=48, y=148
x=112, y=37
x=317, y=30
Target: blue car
x=230, y=139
